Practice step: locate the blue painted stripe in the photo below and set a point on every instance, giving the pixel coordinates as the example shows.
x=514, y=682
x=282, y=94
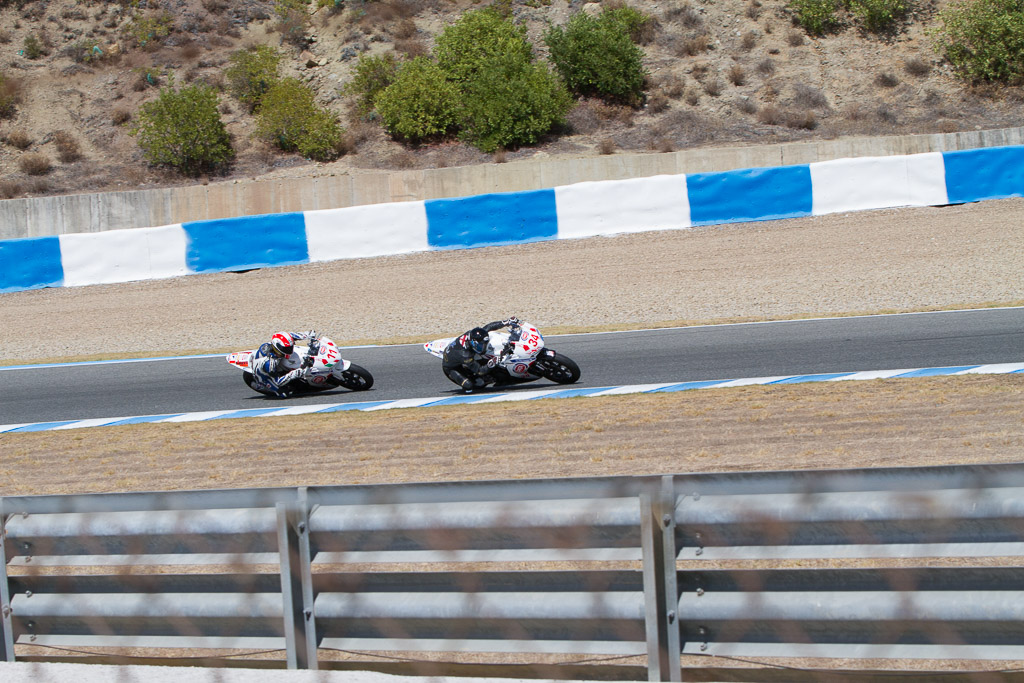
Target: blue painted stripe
x=799, y=379
x=142, y=419
x=935, y=372
x=752, y=194
x=350, y=406
x=685, y=386
x=492, y=219
x=990, y=173
x=30, y=264
x=246, y=242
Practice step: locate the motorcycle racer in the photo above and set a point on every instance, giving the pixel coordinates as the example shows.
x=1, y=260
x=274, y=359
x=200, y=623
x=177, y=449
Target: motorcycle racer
x=270, y=372
x=465, y=362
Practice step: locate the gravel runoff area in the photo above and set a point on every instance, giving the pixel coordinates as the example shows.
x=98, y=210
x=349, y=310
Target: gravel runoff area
x=872, y=261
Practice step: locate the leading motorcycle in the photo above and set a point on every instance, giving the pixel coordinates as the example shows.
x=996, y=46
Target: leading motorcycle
x=518, y=355
x=327, y=369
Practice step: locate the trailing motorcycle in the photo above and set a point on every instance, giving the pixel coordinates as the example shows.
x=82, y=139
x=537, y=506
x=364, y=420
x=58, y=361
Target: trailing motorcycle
x=518, y=355
x=326, y=369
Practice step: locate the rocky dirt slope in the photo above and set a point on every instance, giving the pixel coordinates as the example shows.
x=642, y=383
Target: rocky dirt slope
x=722, y=71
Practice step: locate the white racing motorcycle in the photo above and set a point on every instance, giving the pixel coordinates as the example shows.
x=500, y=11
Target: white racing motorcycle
x=328, y=370
x=519, y=355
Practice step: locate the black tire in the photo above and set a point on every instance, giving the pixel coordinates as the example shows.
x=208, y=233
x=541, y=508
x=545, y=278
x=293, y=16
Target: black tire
x=356, y=378
x=558, y=368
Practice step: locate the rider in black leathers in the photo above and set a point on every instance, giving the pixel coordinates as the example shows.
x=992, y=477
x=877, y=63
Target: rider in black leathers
x=464, y=361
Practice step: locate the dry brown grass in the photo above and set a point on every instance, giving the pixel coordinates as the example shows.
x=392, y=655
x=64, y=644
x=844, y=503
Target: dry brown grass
x=35, y=164
x=880, y=423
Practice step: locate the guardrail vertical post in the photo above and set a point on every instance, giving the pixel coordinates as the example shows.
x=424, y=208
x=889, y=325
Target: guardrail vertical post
x=661, y=597
x=6, y=625
x=297, y=583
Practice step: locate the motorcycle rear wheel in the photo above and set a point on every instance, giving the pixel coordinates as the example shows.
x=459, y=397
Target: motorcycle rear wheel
x=559, y=368
x=356, y=378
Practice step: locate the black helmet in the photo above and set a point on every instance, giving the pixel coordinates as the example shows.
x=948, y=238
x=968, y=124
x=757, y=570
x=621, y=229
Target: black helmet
x=478, y=340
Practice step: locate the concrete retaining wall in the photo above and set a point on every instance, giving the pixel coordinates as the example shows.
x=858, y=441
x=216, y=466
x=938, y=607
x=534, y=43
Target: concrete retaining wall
x=61, y=215
x=660, y=202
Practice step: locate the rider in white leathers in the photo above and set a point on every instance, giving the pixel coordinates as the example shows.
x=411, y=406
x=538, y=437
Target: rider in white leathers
x=269, y=371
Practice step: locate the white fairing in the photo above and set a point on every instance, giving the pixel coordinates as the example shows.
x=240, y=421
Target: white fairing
x=518, y=363
x=327, y=361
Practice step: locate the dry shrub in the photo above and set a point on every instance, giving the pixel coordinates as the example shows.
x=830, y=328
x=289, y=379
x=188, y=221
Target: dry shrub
x=657, y=102
x=10, y=94
x=37, y=185
x=809, y=97
x=885, y=114
x=685, y=15
x=748, y=41
x=714, y=87
x=606, y=146
x=692, y=97
x=120, y=116
x=673, y=87
x=948, y=126
x=19, y=139
x=411, y=48
x=766, y=67
x=5, y=36
x=753, y=10
x=770, y=115
x=34, y=164
x=736, y=75
x=701, y=70
x=662, y=144
x=795, y=38
x=801, y=119
x=190, y=51
x=10, y=189
x=746, y=105
x=694, y=46
x=915, y=66
x=886, y=79
x=856, y=112
x=402, y=160
x=500, y=156
x=68, y=149
x=404, y=29
x=215, y=6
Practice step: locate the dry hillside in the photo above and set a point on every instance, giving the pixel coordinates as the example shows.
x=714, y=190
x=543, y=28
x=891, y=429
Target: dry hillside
x=720, y=72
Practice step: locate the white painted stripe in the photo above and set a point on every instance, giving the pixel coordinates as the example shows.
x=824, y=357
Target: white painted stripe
x=95, y=422
x=993, y=369
x=611, y=207
x=748, y=381
x=872, y=374
x=9, y=428
x=633, y=389
x=365, y=231
x=199, y=417
x=94, y=258
x=406, y=403
x=878, y=183
x=521, y=396
x=301, y=410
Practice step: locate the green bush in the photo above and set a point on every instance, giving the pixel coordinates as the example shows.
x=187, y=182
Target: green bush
x=289, y=117
x=596, y=56
x=32, y=47
x=983, y=39
x=182, y=129
x=252, y=72
x=879, y=15
x=477, y=37
x=507, y=107
x=816, y=16
x=373, y=73
x=149, y=30
x=421, y=103
x=633, y=20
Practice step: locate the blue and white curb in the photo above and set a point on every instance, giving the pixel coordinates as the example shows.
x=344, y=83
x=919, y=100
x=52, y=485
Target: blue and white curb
x=588, y=209
x=571, y=392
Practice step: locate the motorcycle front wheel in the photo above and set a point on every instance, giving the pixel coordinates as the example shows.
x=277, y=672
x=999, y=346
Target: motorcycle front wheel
x=558, y=368
x=356, y=378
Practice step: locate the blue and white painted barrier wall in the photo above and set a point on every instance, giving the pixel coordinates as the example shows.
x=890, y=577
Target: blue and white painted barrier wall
x=582, y=210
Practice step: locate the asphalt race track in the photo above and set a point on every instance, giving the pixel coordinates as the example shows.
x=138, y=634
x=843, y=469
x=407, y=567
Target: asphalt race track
x=94, y=390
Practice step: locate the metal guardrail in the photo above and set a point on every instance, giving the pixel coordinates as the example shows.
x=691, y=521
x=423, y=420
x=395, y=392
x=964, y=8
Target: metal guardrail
x=657, y=567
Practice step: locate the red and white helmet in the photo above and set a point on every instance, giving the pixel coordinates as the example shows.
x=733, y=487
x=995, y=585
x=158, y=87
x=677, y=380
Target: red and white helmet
x=282, y=344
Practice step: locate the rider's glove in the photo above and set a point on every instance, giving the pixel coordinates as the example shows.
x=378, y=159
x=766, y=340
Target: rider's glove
x=508, y=322
x=491, y=362
x=307, y=362
x=312, y=334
